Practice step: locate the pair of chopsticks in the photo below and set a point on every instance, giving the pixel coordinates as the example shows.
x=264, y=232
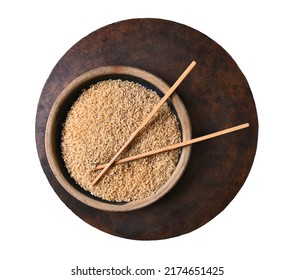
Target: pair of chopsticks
x=174, y=146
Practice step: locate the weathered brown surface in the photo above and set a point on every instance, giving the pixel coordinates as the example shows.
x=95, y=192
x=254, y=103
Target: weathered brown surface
x=216, y=95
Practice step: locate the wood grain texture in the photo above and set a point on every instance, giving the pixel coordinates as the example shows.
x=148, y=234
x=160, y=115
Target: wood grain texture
x=216, y=95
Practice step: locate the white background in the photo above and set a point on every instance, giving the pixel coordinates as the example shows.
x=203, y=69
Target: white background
x=253, y=238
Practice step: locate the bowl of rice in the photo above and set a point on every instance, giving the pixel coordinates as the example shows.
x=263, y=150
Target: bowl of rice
x=91, y=120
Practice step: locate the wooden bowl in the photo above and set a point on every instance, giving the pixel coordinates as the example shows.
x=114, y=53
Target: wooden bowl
x=58, y=115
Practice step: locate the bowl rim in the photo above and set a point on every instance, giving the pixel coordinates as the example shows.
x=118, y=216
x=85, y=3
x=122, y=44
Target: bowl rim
x=137, y=73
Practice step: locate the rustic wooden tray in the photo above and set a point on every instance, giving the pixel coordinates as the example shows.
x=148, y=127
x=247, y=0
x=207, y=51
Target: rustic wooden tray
x=216, y=95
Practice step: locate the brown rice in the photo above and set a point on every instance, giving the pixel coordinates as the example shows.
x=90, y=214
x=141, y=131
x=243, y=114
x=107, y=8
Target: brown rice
x=100, y=122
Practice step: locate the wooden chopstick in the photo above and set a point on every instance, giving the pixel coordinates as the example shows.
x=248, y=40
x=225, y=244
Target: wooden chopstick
x=145, y=121
x=179, y=145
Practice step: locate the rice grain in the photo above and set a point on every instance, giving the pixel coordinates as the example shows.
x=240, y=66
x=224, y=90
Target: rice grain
x=100, y=122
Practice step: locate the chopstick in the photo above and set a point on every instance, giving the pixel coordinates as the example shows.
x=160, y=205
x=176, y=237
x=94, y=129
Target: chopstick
x=179, y=145
x=145, y=121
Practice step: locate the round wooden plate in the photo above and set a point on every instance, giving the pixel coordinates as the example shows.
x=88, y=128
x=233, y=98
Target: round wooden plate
x=216, y=95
